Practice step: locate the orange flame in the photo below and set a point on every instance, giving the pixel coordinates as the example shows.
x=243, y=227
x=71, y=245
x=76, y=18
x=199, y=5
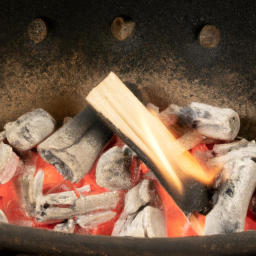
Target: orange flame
x=173, y=165
x=117, y=103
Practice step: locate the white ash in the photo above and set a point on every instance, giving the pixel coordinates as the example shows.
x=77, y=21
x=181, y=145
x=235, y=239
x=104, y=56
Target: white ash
x=120, y=224
x=36, y=196
x=37, y=187
x=61, y=198
x=232, y=200
x=104, y=201
x=92, y=220
x=2, y=136
x=24, y=185
x=222, y=149
x=113, y=169
x=231, y=152
x=135, y=199
x=123, y=224
x=66, y=227
x=29, y=129
x=3, y=217
x=209, y=121
x=85, y=188
x=8, y=163
x=150, y=222
x=82, y=205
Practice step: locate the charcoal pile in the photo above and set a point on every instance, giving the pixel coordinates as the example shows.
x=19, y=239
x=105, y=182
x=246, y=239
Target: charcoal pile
x=83, y=178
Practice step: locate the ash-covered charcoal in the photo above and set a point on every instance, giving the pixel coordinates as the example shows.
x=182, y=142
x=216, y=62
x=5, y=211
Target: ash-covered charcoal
x=120, y=223
x=3, y=217
x=232, y=200
x=30, y=129
x=54, y=213
x=222, y=149
x=82, y=205
x=66, y=227
x=8, y=163
x=74, y=148
x=62, y=198
x=24, y=185
x=150, y=222
x=92, y=220
x=36, y=187
x=85, y=188
x=113, y=169
x=231, y=152
x=36, y=196
x=104, y=201
x=209, y=121
x=137, y=197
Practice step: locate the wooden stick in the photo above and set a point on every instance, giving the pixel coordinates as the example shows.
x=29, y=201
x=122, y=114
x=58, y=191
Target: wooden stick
x=150, y=140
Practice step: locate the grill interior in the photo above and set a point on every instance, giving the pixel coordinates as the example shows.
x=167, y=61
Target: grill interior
x=161, y=63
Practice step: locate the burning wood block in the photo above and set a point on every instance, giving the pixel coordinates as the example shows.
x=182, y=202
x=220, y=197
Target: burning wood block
x=113, y=169
x=3, y=217
x=92, y=220
x=82, y=205
x=149, y=138
x=74, y=148
x=66, y=227
x=8, y=163
x=30, y=129
x=209, y=121
x=232, y=200
x=150, y=222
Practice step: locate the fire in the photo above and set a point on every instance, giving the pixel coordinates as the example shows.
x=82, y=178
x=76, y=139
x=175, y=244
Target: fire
x=115, y=102
x=173, y=161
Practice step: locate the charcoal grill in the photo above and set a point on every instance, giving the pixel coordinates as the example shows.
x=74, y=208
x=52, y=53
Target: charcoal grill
x=162, y=62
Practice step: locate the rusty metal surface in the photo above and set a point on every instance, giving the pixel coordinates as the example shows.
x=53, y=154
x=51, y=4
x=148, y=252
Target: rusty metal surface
x=162, y=62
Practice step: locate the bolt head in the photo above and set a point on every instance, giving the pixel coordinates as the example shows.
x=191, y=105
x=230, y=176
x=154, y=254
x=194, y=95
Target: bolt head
x=209, y=36
x=122, y=29
x=37, y=30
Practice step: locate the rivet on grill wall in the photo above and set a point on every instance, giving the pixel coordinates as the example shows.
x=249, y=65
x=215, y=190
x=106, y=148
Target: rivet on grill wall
x=209, y=36
x=37, y=30
x=122, y=28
